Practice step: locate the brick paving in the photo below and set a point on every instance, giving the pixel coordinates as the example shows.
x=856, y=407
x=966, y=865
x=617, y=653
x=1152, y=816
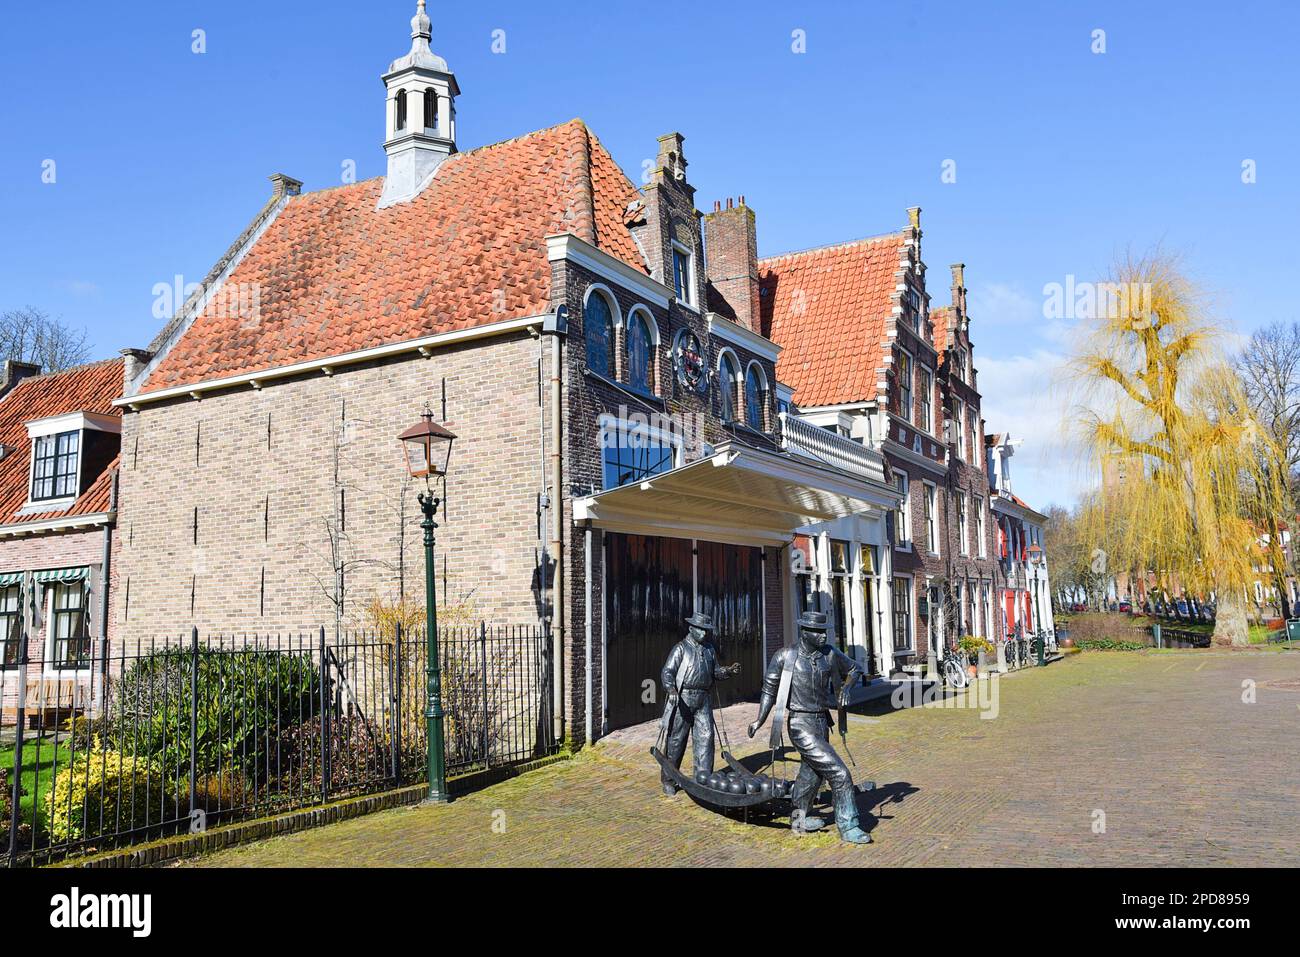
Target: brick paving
x=1162, y=743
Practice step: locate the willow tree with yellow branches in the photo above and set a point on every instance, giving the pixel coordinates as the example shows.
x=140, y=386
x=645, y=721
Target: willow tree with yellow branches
x=1188, y=491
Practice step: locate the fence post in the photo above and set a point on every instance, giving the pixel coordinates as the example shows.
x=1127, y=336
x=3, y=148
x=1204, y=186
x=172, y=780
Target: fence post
x=324, y=721
x=396, y=696
x=15, y=816
x=194, y=716
x=482, y=664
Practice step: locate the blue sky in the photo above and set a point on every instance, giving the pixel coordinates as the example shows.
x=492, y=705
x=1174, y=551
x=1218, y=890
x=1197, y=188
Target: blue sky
x=1063, y=157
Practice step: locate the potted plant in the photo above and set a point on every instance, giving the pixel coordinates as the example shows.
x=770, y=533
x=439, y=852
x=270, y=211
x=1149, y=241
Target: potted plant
x=971, y=646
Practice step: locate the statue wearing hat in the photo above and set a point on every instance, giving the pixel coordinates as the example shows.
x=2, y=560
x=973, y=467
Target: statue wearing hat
x=688, y=675
x=803, y=682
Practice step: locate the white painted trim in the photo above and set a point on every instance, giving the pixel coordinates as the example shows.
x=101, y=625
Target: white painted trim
x=890, y=447
x=262, y=376
x=566, y=246
x=66, y=523
x=692, y=278
x=842, y=407
x=74, y=422
x=642, y=310
x=611, y=300
x=728, y=331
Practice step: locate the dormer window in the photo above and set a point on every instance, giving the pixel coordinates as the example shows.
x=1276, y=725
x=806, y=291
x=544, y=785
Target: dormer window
x=55, y=462
x=684, y=275
x=69, y=452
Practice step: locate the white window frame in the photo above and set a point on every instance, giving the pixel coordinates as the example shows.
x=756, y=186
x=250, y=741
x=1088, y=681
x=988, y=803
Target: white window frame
x=906, y=385
x=653, y=328
x=981, y=529
x=689, y=295
x=909, y=647
x=959, y=420
x=930, y=508
x=49, y=588
x=903, y=536
x=963, y=523
x=608, y=423
x=925, y=397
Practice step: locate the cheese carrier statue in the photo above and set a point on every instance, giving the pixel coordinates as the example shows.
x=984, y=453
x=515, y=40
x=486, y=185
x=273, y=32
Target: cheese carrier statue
x=688, y=677
x=804, y=683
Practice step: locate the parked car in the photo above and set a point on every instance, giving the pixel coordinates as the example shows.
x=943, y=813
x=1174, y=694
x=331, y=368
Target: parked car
x=1126, y=606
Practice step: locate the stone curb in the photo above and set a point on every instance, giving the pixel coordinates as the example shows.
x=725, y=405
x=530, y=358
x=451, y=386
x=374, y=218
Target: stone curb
x=243, y=832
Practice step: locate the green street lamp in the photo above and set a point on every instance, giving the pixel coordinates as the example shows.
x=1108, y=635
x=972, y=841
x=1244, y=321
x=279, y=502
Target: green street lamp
x=428, y=452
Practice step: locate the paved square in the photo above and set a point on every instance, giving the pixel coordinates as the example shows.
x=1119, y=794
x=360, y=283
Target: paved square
x=1161, y=743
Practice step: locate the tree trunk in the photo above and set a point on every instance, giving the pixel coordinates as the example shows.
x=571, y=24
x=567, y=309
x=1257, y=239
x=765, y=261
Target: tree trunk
x=1231, y=627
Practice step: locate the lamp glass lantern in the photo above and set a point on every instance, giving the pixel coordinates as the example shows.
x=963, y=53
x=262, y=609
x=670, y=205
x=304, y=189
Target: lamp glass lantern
x=428, y=447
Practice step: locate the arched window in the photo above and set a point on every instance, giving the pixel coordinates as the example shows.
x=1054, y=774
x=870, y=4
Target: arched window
x=430, y=109
x=401, y=109
x=639, y=356
x=754, y=399
x=598, y=327
x=727, y=377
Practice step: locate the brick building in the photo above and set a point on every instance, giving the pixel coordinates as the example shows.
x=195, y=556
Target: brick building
x=1026, y=599
x=59, y=436
x=594, y=346
x=869, y=361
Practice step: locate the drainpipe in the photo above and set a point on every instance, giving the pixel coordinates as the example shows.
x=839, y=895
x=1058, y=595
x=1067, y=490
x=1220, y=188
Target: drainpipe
x=105, y=571
x=587, y=543
x=556, y=326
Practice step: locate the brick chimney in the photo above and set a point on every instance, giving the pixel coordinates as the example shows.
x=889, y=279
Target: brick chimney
x=731, y=262
x=14, y=372
x=959, y=289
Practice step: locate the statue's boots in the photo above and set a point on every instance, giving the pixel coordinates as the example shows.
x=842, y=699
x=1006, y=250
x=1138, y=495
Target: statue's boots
x=846, y=818
x=802, y=822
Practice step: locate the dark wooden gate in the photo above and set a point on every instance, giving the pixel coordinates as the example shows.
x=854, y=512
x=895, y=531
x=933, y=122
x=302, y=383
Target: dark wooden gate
x=648, y=594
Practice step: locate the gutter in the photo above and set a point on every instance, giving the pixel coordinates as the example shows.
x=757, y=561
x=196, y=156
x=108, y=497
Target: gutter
x=424, y=346
x=67, y=523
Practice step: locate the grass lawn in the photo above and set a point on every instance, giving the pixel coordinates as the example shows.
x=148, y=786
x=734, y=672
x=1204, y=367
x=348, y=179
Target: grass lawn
x=40, y=756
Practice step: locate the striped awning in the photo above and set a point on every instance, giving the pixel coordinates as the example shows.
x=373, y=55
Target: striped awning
x=62, y=574
x=10, y=578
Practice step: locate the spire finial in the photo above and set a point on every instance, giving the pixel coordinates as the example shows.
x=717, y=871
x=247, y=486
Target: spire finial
x=420, y=26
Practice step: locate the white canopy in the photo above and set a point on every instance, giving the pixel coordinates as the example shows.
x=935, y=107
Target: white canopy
x=739, y=495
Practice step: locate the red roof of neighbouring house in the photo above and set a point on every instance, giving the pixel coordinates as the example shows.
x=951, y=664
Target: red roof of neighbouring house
x=939, y=320
x=335, y=275
x=828, y=309
x=87, y=388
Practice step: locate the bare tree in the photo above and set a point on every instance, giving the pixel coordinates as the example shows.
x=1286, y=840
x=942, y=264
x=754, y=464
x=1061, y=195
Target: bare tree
x=32, y=335
x=1270, y=370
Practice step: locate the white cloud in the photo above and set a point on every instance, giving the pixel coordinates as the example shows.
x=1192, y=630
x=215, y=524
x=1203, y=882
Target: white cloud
x=1021, y=396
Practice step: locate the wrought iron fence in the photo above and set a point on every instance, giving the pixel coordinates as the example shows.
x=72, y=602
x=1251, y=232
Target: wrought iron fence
x=186, y=733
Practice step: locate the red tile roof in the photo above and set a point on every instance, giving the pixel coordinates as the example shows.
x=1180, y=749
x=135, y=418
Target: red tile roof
x=88, y=388
x=334, y=274
x=939, y=320
x=828, y=309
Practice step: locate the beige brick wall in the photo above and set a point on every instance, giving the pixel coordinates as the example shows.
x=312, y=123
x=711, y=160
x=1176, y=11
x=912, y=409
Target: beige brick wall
x=260, y=468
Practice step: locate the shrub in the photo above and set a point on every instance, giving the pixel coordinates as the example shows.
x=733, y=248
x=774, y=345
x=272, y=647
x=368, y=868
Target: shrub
x=1109, y=644
x=358, y=755
x=972, y=645
x=103, y=792
x=244, y=699
x=7, y=808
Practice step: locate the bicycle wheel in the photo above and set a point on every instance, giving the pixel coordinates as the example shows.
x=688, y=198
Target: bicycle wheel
x=953, y=673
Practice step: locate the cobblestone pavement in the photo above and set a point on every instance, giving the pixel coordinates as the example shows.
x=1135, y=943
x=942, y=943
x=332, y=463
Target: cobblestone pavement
x=1162, y=744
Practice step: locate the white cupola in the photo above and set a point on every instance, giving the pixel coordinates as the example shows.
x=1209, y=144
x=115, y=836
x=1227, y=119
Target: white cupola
x=420, y=130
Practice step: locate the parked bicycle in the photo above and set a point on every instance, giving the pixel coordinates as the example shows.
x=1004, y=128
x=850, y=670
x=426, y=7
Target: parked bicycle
x=954, y=670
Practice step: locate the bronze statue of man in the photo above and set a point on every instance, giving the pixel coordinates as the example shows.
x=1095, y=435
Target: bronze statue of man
x=804, y=681
x=688, y=675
